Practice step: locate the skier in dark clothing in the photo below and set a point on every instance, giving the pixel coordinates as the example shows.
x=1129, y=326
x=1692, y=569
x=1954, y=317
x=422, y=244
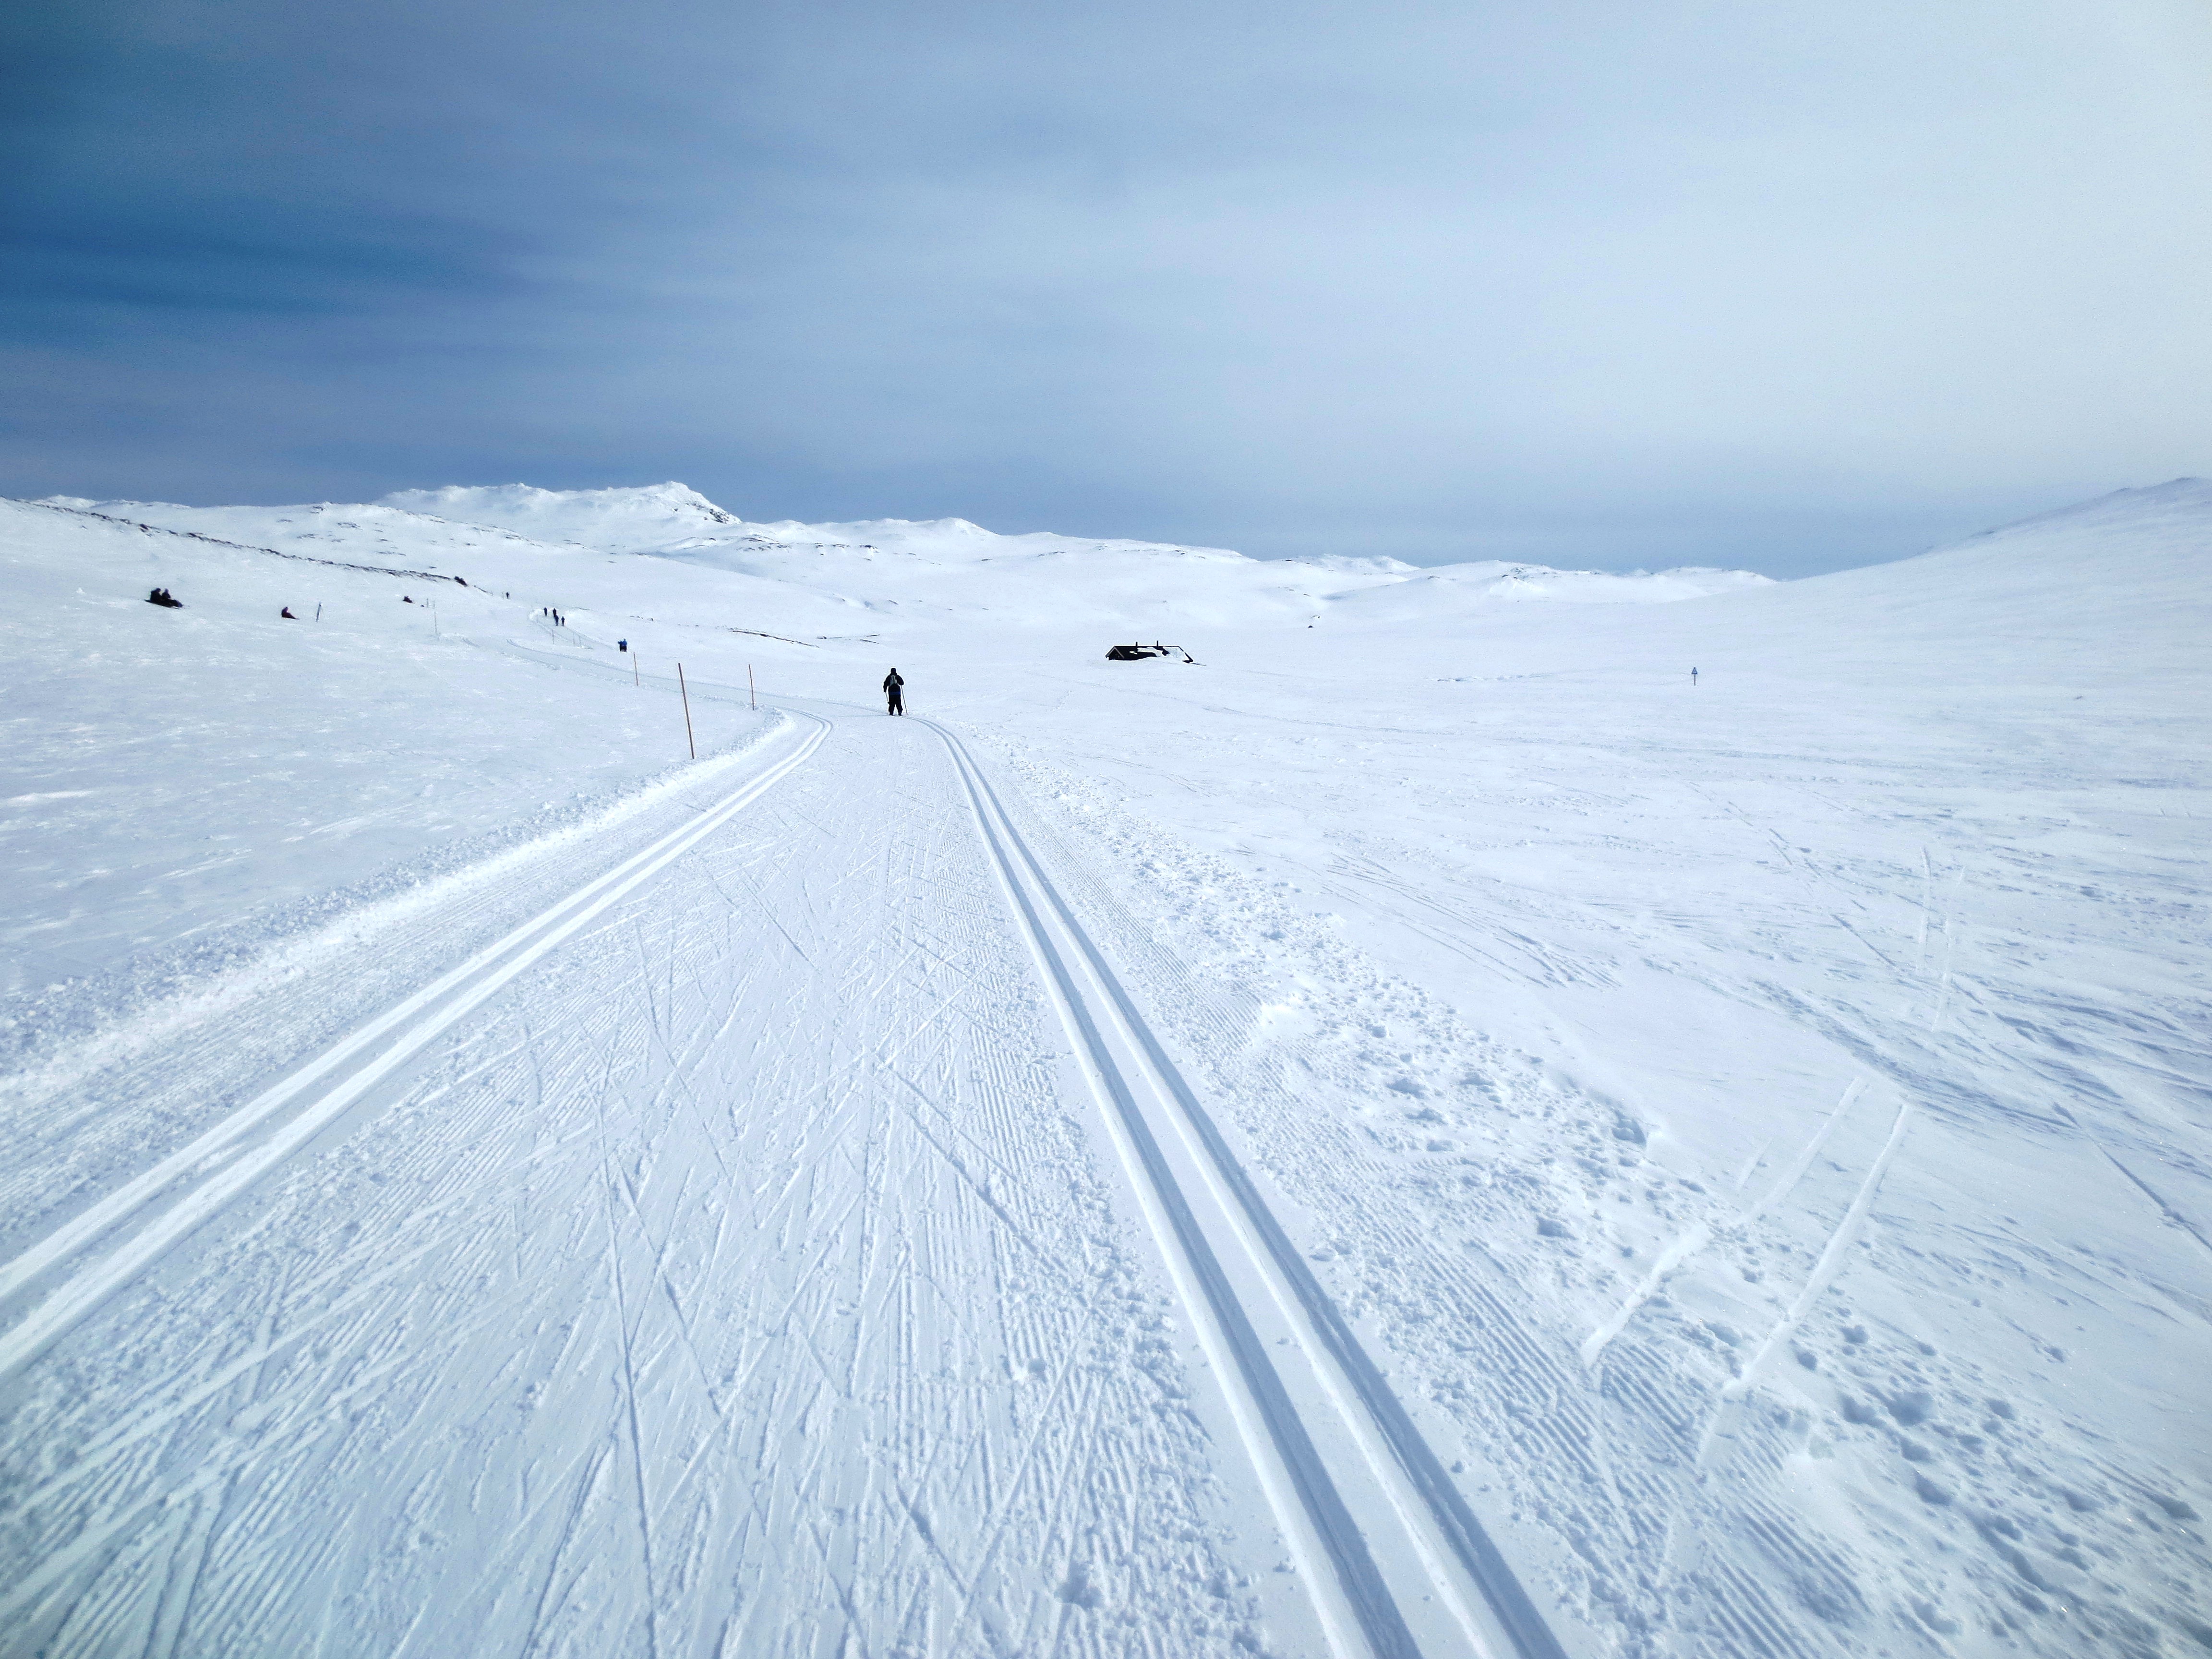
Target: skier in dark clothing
x=287, y=614
x=894, y=692
x=162, y=596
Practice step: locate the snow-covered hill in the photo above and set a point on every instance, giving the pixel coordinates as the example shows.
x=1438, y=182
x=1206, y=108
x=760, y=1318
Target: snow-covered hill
x=638, y=519
x=518, y=538
x=179, y=775
x=1758, y=1122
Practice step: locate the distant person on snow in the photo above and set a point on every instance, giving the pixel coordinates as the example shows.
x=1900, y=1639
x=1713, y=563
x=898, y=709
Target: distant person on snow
x=894, y=692
x=287, y=614
x=167, y=601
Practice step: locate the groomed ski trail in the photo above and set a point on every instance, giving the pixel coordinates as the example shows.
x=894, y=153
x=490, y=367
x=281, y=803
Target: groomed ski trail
x=714, y=1237
x=1395, y=1561
x=157, y=1208
x=748, y=1276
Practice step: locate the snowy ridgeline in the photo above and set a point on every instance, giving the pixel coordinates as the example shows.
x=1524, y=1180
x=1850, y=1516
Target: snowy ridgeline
x=1760, y=1121
x=944, y=568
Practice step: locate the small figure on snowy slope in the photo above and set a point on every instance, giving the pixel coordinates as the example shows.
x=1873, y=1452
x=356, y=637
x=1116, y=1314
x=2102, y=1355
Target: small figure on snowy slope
x=167, y=601
x=286, y=613
x=894, y=692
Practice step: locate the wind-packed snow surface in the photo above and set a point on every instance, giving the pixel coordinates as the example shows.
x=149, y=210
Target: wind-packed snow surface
x=1422, y=1129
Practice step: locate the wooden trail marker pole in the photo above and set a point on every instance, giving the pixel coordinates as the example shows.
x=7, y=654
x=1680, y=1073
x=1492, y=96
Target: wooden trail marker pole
x=750, y=691
x=634, y=678
x=685, y=691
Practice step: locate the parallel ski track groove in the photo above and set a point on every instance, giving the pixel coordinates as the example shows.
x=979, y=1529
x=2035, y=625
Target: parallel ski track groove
x=1454, y=1524
x=225, y=1158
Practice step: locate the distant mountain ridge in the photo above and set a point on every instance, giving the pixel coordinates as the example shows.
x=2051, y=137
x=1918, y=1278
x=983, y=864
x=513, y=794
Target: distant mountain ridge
x=629, y=519
x=677, y=521
x=808, y=579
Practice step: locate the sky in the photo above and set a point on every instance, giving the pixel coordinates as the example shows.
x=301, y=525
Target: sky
x=1786, y=286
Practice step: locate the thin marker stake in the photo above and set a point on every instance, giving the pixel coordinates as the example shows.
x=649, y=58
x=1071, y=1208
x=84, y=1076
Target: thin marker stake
x=634, y=679
x=750, y=691
x=685, y=692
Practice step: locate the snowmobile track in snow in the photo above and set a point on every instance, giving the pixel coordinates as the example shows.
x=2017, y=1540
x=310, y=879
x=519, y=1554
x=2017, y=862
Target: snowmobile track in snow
x=1393, y=1560
x=155, y=1209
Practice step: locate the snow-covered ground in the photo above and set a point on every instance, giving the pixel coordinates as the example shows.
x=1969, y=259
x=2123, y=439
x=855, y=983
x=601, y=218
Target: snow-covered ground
x=1423, y=1123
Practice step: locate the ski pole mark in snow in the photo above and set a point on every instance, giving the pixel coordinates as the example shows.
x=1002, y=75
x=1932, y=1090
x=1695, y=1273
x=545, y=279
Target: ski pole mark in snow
x=1824, y=1271
x=1689, y=1244
x=1787, y=1181
x=227, y=1159
x=1676, y=1252
x=1353, y=1484
x=2152, y=1193
x=1751, y=1165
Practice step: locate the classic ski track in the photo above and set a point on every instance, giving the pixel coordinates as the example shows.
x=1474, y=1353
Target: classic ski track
x=1402, y=1491
x=1315, y=1413
x=204, y=1177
